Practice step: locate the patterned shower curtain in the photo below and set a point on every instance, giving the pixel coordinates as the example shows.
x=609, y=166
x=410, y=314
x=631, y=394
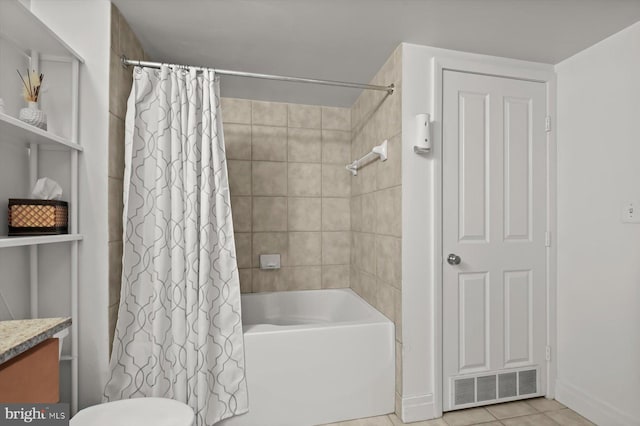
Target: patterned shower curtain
x=179, y=331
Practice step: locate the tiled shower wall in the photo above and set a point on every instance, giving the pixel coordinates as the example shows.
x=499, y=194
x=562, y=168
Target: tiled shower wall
x=123, y=42
x=290, y=192
x=376, y=197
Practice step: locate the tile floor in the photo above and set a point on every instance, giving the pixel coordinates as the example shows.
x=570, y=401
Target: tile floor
x=532, y=412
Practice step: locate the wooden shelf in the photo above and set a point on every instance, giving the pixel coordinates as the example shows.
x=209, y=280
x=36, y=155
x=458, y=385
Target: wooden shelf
x=32, y=241
x=13, y=130
x=27, y=32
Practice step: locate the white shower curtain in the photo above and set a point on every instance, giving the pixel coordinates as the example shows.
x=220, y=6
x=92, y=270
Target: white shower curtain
x=179, y=330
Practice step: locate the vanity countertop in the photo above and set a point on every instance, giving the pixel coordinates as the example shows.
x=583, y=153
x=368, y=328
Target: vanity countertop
x=18, y=336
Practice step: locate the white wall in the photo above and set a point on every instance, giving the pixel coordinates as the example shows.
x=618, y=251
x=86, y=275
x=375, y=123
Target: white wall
x=86, y=27
x=598, y=256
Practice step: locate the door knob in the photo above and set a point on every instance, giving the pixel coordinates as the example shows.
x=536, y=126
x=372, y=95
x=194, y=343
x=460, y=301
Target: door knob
x=453, y=259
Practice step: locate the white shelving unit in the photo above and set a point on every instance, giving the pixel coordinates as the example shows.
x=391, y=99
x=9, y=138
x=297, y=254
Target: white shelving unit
x=33, y=241
x=16, y=131
x=24, y=32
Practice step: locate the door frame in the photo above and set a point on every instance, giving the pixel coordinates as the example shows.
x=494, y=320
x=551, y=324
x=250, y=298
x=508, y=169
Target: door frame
x=439, y=64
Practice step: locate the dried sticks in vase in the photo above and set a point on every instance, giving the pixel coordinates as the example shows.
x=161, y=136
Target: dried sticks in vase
x=32, y=82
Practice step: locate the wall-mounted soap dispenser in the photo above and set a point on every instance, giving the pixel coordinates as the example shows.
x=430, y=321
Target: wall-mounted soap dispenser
x=423, y=134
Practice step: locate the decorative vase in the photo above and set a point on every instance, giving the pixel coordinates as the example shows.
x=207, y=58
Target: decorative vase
x=32, y=115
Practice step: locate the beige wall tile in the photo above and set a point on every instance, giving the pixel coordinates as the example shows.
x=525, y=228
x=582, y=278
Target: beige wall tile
x=367, y=176
x=239, y=177
x=305, y=116
x=269, y=214
x=375, y=269
x=305, y=248
x=269, y=178
x=236, y=110
x=305, y=145
x=304, y=179
x=116, y=147
x=245, y=280
x=336, y=248
x=388, y=211
x=304, y=278
x=356, y=214
x=361, y=142
x=304, y=214
x=385, y=300
x=123, y=41
x=124, y=82
x=269, y=113
x=354, y=279
x=336, y=146
x=120, y=81
x=336, y=214
x=392, y=111
x=398, y=311
x=268, y=280
x=241, y=211
x=268, y=143
x=389, y=173
x=356, y=189
x=336, y=118
x=389, y=259
x=129, y=44
x=115, y=271
x=114, y=78
x=356, y=249
x=115, y=209
x=299, y=278
x=368, y=253
x=243, y=249
x=270, y=243
x=113, y=318
x=336, y=276
x=336, y=181
x=369, y=212
x=237, y=139
x=368, y=288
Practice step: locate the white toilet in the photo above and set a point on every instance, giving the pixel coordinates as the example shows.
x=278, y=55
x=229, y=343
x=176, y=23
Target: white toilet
x=136, y=412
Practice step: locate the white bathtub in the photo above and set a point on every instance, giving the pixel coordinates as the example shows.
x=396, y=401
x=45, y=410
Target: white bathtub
x=315, y=357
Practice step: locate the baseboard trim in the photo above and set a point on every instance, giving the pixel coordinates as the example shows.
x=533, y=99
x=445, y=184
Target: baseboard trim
x=592, y=408
x=418, y=408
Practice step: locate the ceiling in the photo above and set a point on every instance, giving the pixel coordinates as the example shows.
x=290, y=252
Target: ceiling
x=350, y=39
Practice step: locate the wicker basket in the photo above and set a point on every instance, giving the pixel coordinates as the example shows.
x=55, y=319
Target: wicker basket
x=37, y=217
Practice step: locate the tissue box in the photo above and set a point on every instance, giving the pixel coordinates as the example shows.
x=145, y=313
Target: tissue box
x=37, y=217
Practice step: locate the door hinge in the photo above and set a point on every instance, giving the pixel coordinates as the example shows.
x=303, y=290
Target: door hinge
x=547, y=239
x=547, y=123
x=547, y=354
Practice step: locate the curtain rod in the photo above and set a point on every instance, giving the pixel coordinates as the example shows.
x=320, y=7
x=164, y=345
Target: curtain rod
x=389, y=89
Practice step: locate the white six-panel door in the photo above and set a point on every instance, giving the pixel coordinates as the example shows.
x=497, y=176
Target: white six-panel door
x=494, y=224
